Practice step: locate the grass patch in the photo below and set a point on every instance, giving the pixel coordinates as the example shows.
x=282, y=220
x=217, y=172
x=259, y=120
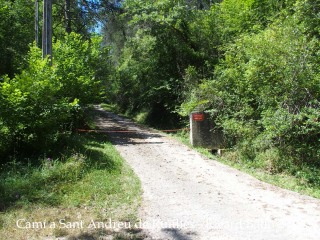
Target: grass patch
x=109, y=107
x=139, y=117
x=303, y=179
x=86, y=180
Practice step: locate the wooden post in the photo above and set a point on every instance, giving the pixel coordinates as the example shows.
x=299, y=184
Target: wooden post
x=47, y=30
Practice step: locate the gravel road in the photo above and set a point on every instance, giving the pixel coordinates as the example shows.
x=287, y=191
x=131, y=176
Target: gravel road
x=189, y=197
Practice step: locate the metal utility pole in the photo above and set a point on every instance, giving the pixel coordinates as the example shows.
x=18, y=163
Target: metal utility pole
x=47, y=30
x=36, y=27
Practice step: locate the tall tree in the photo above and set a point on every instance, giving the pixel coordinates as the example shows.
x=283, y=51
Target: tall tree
x=16, y=33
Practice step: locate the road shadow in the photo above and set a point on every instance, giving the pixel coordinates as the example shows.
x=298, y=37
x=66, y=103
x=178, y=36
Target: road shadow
x=179, y=234
x=123, y=131
x=134, y=138
x=101, y=234
x=135, y=234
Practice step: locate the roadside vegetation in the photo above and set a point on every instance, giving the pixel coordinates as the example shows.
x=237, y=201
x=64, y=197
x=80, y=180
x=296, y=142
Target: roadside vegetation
x=252, y=64
x=84, y=179
x=48, y=172
x=305, y=180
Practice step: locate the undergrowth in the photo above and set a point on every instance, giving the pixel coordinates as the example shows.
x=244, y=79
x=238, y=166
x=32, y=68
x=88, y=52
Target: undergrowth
x=85, y=180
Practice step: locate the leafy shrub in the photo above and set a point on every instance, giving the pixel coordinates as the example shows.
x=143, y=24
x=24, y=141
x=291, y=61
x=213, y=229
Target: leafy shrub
x=30, y=111
x=76, y=62
x=265, y=95
x=273, y=161
x=42, y=102
x=16, y=32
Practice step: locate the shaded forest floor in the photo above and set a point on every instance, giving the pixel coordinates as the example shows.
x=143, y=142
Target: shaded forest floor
x=63, y=196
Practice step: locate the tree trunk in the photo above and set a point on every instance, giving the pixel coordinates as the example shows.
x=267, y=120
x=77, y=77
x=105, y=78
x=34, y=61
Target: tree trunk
x=67, y=16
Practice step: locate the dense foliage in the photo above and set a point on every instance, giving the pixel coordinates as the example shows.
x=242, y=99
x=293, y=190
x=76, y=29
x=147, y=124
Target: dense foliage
x=43, y=102
x=254, y=65
x=38, y=102
x=264, y=92
x=16, y=21
x=158, y=47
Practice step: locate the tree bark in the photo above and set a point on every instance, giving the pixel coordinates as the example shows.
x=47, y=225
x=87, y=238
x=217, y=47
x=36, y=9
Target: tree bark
x=68, y=16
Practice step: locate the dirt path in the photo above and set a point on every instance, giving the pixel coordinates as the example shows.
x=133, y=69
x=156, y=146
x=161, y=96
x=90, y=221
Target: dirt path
x=188, y=197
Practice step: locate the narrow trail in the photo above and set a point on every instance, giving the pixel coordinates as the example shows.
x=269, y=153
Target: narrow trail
x=188, y=197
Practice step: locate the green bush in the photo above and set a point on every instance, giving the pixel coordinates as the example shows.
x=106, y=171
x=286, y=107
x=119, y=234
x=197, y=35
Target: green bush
x=30, y=111
x=43, y=102
x=265, y=95
x=76, y=63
